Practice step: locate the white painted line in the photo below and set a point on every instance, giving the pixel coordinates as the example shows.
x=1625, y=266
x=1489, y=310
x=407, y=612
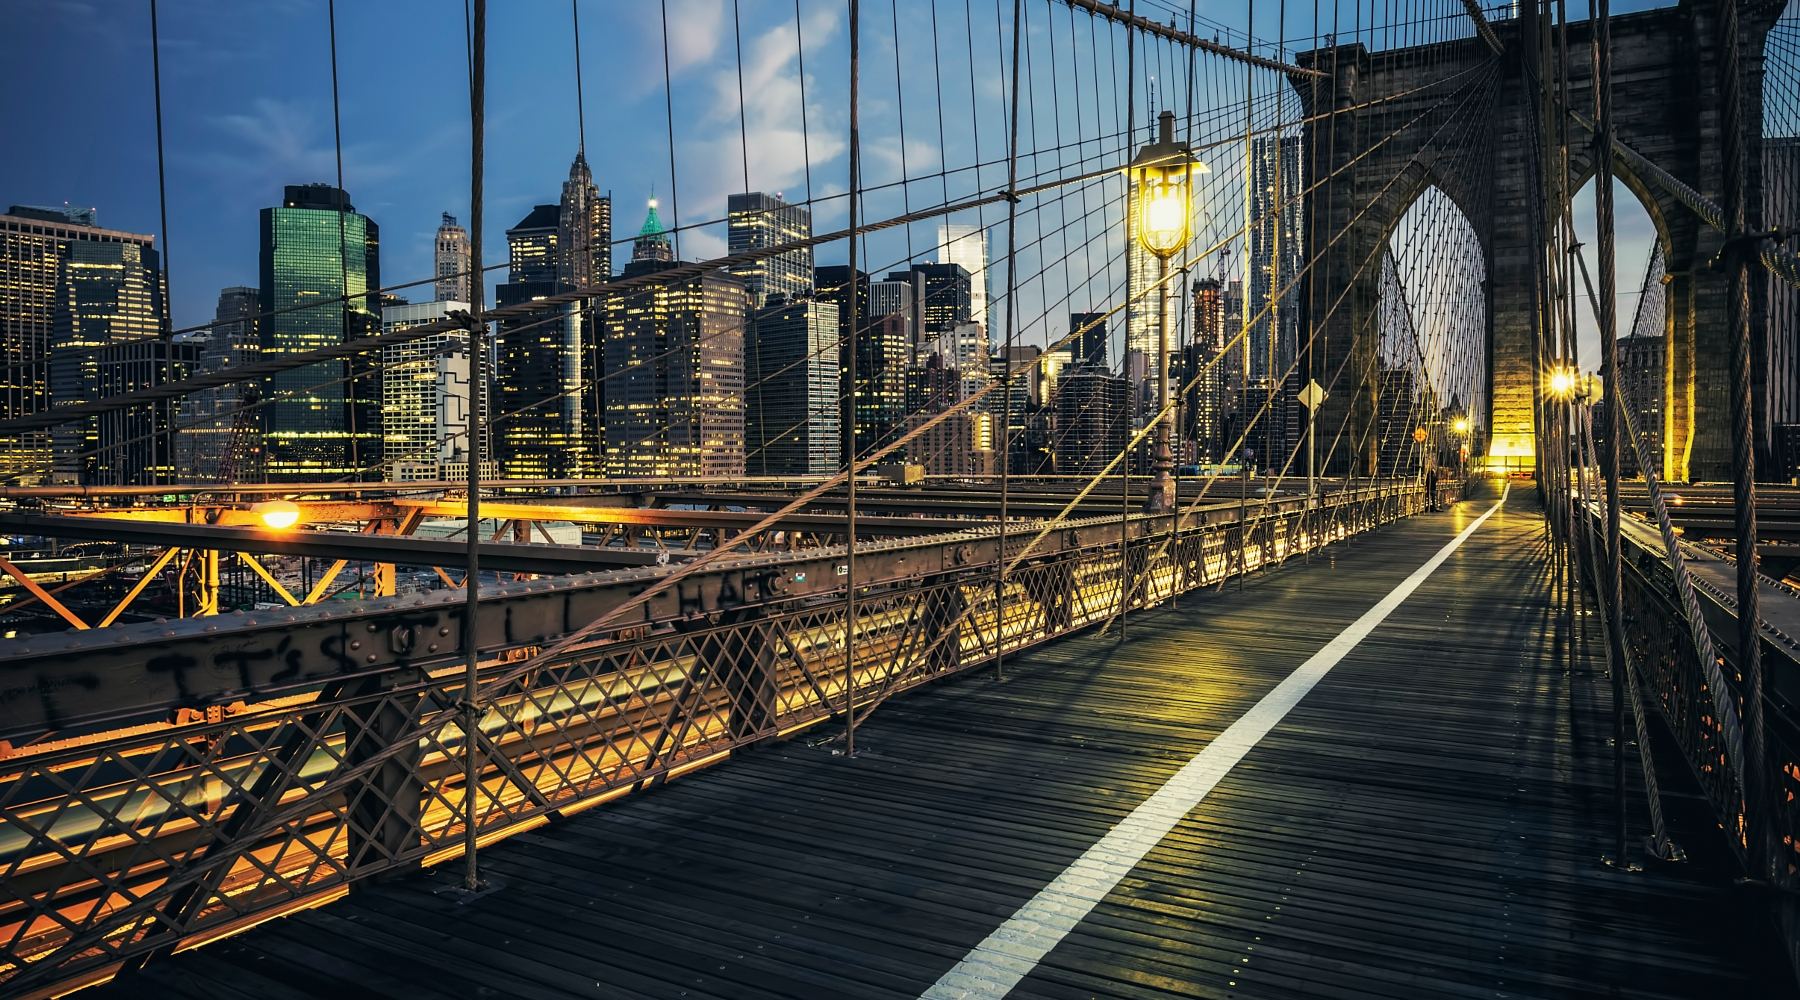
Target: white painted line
x=1010, y=953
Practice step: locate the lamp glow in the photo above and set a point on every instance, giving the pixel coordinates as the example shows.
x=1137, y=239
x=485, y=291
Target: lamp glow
x=1561, y=382
x=1162, y=174
x=1165, y=228
x=1461, y=426
x=278, y=514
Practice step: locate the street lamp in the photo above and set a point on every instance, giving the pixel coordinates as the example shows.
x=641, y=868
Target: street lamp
x=1461, y=426
x=1162, y=177
x=278, y=514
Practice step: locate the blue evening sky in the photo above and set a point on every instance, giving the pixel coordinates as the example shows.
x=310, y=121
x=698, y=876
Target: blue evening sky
x=247, y=109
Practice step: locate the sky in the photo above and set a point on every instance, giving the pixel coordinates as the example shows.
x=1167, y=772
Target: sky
x=247, y=109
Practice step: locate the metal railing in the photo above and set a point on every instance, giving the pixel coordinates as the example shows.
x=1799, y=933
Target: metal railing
x=137, y=842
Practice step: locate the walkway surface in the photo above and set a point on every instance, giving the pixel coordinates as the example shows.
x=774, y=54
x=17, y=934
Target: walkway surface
x=1428, y=821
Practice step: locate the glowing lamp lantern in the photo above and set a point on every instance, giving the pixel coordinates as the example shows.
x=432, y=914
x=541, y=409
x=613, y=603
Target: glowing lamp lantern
x=1163, y=175
x=1461, y=425
x=1561, y=382
x=278, y=514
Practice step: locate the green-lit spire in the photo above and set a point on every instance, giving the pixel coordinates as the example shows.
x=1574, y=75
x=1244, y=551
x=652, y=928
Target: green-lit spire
x=653, y=226
x=652, y=242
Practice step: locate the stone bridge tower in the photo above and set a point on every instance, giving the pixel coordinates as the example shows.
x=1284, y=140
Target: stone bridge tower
x=1460, y=115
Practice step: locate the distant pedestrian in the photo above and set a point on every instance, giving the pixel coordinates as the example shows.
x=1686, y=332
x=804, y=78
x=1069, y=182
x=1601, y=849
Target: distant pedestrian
x=1431, y=487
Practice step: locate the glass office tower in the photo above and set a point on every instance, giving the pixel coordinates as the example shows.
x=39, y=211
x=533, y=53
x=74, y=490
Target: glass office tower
x=323, y=421
x=757, y=221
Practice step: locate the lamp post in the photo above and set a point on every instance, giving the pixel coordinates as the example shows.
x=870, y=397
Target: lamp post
x=1162, y=176
x=1461, y=426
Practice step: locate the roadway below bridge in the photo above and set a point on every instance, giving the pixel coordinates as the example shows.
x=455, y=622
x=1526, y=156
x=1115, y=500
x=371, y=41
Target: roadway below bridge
x=1364, y=775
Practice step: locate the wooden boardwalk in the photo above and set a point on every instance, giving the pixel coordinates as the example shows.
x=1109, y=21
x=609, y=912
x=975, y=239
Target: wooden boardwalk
x=1427, y=822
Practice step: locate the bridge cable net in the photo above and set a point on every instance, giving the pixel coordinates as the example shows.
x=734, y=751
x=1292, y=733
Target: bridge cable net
x=129, y=833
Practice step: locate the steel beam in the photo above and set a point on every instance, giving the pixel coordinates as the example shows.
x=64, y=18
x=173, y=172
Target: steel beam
x=110, y=676
x=402, y=550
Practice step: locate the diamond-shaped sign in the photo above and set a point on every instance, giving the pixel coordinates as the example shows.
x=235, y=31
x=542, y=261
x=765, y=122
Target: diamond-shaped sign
x=1312, y=395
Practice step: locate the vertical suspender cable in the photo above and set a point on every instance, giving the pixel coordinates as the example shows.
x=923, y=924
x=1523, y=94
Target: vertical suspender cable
x=477, y=383
x=1612, y=580
x=669, y=109
x=1012, y=285
x=805, y=140
x=1743, y=453
x=162, y=197
x=580, y=110
x=162, y=191
x=1124, y=417
x=850, y=354
x=737, y=34
x=337, y=137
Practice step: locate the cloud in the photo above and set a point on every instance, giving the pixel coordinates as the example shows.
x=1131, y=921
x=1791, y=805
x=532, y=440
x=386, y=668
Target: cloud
x=712, y=157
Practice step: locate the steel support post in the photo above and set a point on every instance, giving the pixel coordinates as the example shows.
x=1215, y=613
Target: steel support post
x=382, y=809
x=471, y=715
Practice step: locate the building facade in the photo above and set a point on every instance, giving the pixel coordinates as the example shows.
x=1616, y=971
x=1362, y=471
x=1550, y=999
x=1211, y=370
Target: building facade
x=208, y=418
x=453, y=259
x=793, y=424
x=960, y=444
x=882, y=354
x=757, y=221
x=834, y=283
x=34, y=244
x=674, y=364
x=1091, y=424
x=419, y=386
x=542, y=359
x=1275, y=255
x=1641, y=367
x=137, y=444
x=966, y=246
x=534, y=246
x=584, y=228
x=321, y=421
x=106, y=297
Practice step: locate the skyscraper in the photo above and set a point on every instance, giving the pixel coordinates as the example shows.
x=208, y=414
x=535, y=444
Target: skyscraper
x=1091, y=421
x=966, y=245
x=316, y=249
x=792, y=420
x=1641, y=368
x=419, y=388
x=541, y=358
x=882, y=353
x=103, y=298
x=944, y=297
x=208, y=415
x=962, y=444
x=759, y=220
x=534, y=246
x=136, y=444
x=1275, y=254
x=1202, y=375
x=453, y=256
x=34, y=243
x=833, y=283
x=652, y=243
x=889, y=297
x=674, y=360
x=1089, y=344
x=584, y=228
